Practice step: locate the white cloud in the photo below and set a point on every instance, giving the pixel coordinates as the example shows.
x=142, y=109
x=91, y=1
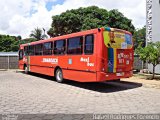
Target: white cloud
x=19, y=17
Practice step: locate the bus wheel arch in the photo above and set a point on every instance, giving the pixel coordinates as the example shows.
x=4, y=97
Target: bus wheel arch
x=58, y=74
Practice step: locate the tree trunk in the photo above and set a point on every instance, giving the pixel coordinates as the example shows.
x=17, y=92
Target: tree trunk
x=153, y=72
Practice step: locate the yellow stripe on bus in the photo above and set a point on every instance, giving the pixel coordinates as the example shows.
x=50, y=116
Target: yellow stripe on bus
x=106, y=38
x=115, y=60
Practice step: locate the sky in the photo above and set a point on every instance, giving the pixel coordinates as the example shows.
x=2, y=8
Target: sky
x=20, y=17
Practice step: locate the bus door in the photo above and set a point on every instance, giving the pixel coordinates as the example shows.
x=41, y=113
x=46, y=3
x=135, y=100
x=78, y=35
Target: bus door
x=20, y=54
x=26, y=58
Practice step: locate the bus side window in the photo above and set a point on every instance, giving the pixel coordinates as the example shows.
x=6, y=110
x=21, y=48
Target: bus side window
x=75, y=45
x=89, y=44
x=59, y=47
x=26, y=51
x=39, y=49
x=30, y=50
x=20, y=54
x=47, y=48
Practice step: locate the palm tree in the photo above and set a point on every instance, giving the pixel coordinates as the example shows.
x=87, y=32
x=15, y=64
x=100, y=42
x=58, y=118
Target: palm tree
x=37, y=33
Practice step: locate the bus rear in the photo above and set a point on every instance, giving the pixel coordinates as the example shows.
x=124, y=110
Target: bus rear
x=117, y=55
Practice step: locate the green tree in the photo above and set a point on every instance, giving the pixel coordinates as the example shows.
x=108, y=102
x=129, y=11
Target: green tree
x=9, y=43
x=27, y=40
x=140, y=37
x=38, y=34
x=76, y=20
x=151, y=54
x=117, y=20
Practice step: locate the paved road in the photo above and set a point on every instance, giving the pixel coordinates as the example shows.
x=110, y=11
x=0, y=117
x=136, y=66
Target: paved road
x=34, y=93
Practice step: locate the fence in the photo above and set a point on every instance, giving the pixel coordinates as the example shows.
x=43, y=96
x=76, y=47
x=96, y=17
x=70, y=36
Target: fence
x=8, y=60
x=138, y=64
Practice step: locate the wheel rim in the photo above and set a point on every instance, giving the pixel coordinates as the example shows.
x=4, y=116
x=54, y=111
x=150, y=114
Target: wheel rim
x=26, y=70
x=59, y=75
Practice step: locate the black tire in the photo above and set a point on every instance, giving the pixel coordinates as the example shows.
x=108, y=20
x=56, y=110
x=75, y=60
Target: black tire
x=117, y=80
x=26, y=70
x=59, y=75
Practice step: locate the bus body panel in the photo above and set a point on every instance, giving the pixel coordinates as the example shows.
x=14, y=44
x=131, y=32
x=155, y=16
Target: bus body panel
x=80, y=76
x=99, y=52
x=42, y=70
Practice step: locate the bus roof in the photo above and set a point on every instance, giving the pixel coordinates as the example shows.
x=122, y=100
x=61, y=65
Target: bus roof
x=116, y=30
x=76, y=35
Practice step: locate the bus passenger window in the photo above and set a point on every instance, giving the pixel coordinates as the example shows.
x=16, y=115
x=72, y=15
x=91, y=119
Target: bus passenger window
x=89, y=44
x=26, y=51
x=31, y=50
x=59, y=47
x=38, y=49
x=47, y=48
x=75, y=45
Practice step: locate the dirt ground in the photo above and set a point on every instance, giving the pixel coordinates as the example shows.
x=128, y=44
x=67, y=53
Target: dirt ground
x=143, y=79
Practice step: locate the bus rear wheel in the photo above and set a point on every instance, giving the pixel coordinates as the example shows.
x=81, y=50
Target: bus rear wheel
x=25, y=69
x=59, y=75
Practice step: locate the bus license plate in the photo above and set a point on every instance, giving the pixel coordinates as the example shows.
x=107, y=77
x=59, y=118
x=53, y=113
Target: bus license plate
x=119, y=74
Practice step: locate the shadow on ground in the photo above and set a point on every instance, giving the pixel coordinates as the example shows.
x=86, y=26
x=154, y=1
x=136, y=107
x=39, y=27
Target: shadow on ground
x=103, y=87
x=106, y=87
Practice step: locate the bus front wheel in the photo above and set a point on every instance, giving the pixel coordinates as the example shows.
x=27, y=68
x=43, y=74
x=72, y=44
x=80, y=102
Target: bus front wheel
x=59, y=75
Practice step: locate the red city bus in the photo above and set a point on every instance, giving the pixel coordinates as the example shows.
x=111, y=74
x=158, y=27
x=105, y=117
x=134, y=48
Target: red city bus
x=89, y=56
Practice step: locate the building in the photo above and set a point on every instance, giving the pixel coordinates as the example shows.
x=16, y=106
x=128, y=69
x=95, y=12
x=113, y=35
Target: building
x=153, y=20
x=153, y=25
x=8, y=60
